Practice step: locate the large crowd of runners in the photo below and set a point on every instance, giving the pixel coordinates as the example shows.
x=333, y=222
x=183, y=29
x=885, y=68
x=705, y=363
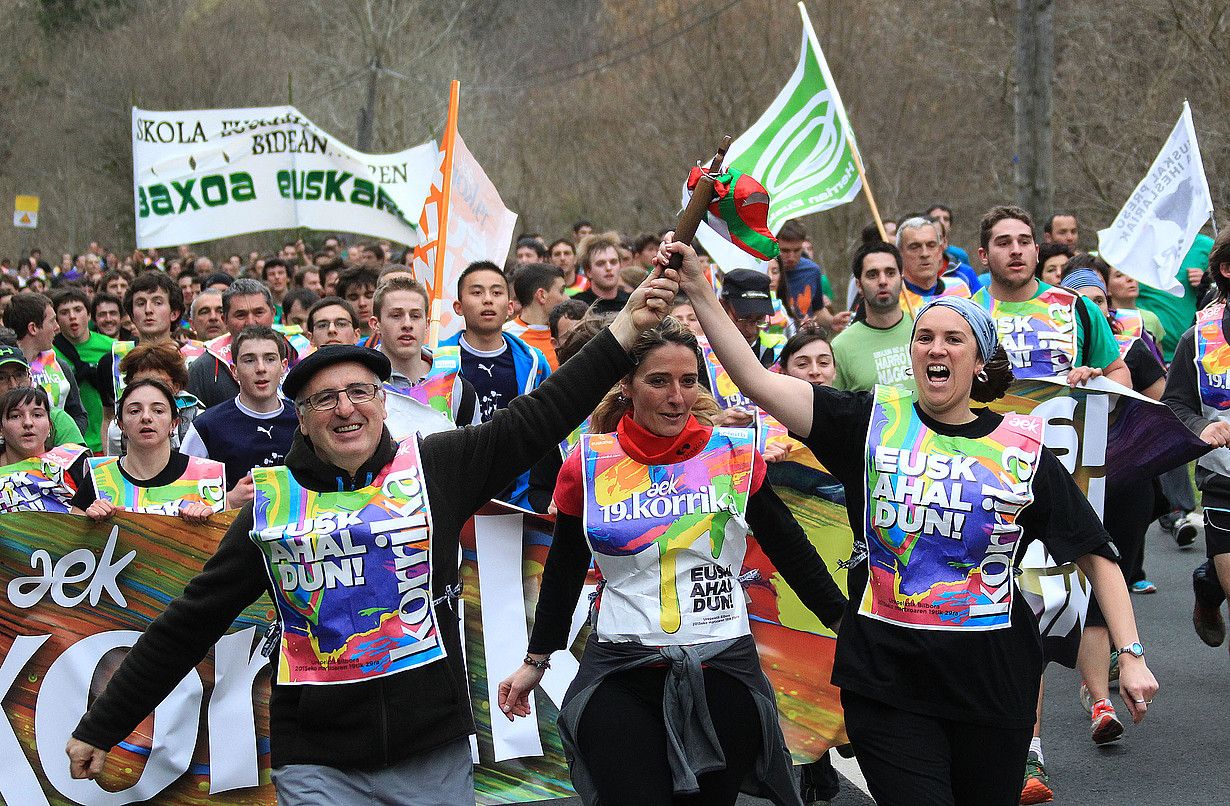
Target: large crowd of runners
x=137, y=375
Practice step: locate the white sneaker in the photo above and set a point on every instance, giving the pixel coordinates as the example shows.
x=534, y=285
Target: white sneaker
x=1186, y=528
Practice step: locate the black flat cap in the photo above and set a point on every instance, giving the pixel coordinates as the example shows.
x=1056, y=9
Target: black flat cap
x=330, y=355
x=747, y=291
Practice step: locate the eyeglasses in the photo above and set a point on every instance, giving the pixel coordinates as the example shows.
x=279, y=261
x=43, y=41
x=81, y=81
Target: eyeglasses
x=328, y=399
x=336, y=324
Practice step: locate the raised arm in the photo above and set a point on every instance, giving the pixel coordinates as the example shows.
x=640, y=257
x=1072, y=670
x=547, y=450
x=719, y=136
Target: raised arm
x=786, y=398
x=496, y=452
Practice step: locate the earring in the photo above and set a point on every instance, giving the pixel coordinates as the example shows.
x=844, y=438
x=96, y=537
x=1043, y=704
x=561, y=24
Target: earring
x=982, y=375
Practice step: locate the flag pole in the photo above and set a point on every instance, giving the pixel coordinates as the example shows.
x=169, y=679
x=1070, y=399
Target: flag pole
x=841, y=110
x=446, y=187
x=862, y=175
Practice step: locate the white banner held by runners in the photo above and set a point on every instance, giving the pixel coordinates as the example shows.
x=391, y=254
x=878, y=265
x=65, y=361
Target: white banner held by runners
x=802, y=147
x=205, y=174
x=1162, y=217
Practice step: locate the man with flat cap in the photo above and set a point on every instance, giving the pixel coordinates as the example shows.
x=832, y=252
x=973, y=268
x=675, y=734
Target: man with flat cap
x=356, y=541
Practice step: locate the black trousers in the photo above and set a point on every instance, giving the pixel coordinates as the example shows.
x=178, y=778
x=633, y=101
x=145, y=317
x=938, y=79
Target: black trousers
x=623, y=739
x=911, y=759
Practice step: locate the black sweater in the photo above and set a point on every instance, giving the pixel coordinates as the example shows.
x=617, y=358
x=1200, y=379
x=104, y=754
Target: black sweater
x=383, y=721
x=1182, y=395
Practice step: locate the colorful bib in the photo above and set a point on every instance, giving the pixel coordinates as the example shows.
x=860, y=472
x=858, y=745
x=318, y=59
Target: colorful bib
x=203, y=482
x=1213, y=379
x=669, y=539
x=779, y=322
x=352, y=572
x=940, y=521
x=41, y=483
x=720, y=383
x=954, y=286
x=190, y=350
x=1039, y=335
x=436, y=390
x=47, y=374
x=1131, y=323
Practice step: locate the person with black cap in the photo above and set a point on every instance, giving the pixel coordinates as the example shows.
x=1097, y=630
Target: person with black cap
x=367, y=603
x=747, y=300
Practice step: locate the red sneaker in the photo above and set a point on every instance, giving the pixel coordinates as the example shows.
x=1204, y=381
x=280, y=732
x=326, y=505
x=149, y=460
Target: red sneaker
x=1105, y=725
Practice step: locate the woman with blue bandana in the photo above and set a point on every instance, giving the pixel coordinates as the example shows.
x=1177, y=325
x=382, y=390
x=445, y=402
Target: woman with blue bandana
x=938, y=659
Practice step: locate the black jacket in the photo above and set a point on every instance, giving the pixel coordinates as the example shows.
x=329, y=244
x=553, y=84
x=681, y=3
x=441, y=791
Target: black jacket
x=379, y=722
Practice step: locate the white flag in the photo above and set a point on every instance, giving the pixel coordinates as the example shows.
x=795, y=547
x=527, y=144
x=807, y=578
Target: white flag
x=1164, y=214
x=205, y=174
x=725, y=254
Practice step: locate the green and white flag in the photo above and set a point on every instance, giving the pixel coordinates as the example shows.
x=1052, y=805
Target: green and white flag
x=802, y=147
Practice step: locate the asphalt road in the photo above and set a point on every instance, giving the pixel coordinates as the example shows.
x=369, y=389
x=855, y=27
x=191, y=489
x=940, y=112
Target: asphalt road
x=1177, y=756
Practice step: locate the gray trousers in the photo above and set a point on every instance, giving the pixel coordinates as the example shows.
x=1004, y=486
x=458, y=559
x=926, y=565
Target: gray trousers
x=440, y=777
x=1177, y=487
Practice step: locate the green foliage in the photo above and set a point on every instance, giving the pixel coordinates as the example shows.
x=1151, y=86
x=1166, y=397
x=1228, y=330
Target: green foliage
x=61, y=16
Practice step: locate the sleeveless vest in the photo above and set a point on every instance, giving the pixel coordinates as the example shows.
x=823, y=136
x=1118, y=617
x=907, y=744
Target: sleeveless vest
x=40, y=483
x=203, y=482
x=669, y=540
x=190, y=350
x=1039, y=335
x=720, y=382
x=953, y=286
x=940, y=519
x=1213, y=379
x=352, y=572
x=47, y=374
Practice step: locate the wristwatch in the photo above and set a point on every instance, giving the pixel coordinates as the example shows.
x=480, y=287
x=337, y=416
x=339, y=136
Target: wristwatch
x=1135, y=648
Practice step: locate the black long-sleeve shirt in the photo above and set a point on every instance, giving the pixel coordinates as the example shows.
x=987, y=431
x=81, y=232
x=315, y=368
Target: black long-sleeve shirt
x=373, y=723
x=1182, y=395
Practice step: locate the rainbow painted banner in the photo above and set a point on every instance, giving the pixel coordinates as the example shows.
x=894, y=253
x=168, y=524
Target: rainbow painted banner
x=77, y=594
x=1103, y=434
x=60, y=641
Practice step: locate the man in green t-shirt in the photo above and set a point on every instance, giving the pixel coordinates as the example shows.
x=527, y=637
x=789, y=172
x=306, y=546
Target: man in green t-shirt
x=875, y=349
x=82, y=348
x=1178, y=313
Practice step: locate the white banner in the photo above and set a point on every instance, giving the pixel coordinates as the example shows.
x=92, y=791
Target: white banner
x=205, y=174
x=476, y=224
x=1163, y=215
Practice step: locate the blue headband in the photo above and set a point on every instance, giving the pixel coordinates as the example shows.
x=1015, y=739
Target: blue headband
x=980, y=322
x=1083, y=278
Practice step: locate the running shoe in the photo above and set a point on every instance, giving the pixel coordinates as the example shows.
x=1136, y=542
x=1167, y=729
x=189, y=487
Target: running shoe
x=1037, y=787
x=1186, y=528
x=1209, y=624
x=1105, y=725
x=1086, y=698
x=1143, y=586
x=1112, y=674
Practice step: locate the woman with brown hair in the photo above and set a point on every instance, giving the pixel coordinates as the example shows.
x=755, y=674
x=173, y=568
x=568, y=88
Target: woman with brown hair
x=151, y=477
x=34, y=476
x=163, y=362
x=662, y=502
